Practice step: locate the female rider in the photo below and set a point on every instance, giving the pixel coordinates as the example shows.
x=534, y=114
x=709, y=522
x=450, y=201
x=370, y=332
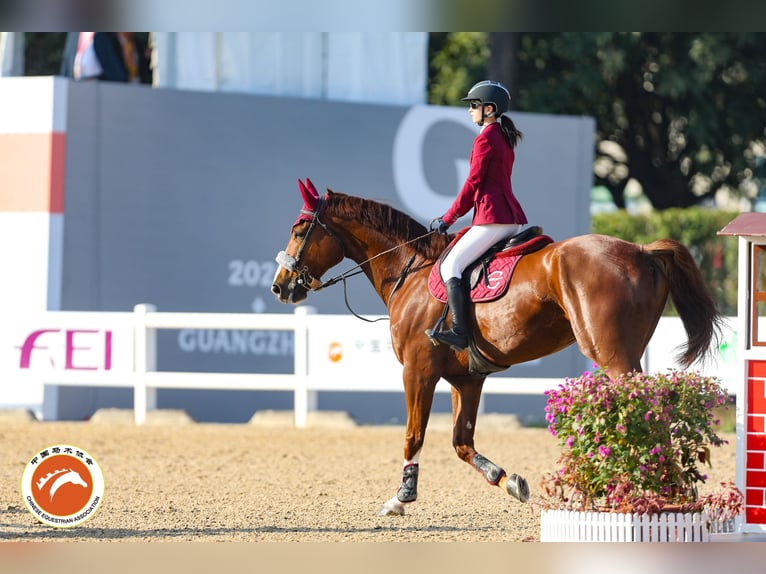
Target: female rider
x=487, y=189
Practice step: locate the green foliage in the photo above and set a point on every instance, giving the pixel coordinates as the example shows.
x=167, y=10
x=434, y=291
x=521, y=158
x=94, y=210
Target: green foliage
x=458, y=61
x=633, y=441
x=682, y=113
x=696, y=228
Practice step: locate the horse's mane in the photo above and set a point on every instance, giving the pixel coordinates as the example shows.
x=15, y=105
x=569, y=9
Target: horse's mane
x=395, y=224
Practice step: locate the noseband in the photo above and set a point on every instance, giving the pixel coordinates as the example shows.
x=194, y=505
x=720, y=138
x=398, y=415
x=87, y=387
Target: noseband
x=303, y=276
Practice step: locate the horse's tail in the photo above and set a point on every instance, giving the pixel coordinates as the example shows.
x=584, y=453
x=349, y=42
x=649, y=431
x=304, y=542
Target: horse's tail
x=695, y=305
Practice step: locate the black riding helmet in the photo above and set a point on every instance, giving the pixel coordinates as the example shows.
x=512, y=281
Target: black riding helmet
x=490, y=92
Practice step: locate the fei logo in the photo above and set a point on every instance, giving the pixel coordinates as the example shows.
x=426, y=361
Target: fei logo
x=62, y=486
x=70, y=349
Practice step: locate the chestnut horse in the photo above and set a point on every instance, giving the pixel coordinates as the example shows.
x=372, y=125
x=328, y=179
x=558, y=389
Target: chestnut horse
x=603, y=293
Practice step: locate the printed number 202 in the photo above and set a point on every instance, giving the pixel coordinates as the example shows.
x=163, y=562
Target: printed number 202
x=251, y=273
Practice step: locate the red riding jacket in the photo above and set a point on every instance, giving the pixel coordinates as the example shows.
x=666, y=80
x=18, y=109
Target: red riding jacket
x=488, y=186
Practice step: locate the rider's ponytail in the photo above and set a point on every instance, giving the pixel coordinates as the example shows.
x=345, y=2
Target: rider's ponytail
x=510, y=131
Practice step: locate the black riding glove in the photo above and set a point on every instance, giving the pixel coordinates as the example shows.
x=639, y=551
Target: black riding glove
x=439, y=225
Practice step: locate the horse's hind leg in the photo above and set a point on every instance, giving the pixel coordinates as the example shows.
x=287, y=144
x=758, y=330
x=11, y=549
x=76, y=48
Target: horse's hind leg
x=465, y=406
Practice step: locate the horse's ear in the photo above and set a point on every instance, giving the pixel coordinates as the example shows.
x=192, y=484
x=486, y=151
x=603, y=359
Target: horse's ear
x=309, y=194
x=311, y=188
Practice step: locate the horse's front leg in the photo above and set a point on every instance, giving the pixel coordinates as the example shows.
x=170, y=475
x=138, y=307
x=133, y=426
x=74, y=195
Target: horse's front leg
x=465, y=406
x=419, y=394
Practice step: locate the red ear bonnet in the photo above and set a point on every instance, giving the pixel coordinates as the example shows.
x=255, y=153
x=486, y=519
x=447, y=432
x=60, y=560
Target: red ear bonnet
x=310, y=201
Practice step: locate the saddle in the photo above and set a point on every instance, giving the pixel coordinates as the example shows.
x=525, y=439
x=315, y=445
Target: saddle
x=487, y=279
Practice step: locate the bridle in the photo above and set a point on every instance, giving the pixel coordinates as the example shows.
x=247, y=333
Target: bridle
x=303, y=276
x=306, y=280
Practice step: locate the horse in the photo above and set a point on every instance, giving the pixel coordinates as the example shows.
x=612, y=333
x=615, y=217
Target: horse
x=601, y=292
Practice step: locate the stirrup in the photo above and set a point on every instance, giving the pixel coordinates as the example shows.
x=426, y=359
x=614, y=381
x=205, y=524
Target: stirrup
x=451, y=338
x=431, y=332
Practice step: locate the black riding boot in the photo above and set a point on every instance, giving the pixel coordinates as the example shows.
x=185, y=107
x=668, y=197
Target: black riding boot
x=457, y=338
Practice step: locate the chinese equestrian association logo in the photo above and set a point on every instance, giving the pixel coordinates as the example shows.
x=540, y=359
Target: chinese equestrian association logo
x=62, y=486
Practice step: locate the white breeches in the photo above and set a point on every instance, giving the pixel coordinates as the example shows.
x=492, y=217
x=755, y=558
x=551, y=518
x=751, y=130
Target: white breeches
x=476, y=241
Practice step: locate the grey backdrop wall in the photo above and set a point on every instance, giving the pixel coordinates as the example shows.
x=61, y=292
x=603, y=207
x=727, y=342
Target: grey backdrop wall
x=182, y=199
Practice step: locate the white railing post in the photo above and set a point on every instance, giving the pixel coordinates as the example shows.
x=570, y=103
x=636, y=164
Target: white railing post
x=304, y=400
x=144, y=360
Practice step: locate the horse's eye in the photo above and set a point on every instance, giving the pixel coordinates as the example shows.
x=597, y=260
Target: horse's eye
x=299, y=234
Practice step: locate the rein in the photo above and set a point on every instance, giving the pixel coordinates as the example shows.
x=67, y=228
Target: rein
x=305, y=278
x=345, y=274
x=358, y=267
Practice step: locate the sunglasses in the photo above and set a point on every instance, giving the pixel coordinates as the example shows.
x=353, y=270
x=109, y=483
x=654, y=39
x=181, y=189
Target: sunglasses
x=475, y=105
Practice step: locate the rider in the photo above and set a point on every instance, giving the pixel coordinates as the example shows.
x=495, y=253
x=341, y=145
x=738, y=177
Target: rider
x=497, y=213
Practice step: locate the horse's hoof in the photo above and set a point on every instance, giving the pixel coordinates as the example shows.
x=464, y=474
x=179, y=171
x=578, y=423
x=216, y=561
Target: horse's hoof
x=393, y=507
x=390, y=512
x=517, y=487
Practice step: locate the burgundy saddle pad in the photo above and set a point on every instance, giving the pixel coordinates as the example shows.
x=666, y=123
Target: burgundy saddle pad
x=489, y=280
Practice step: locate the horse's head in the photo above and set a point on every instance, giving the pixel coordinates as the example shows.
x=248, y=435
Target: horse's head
x=312, y=250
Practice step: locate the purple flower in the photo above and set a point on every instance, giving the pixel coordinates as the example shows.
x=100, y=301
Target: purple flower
x=604, y=450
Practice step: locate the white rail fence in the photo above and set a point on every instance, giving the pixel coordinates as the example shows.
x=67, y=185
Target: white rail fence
x=304, y=381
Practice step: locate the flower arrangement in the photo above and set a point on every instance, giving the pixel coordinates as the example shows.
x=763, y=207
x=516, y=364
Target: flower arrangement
x=634, y=443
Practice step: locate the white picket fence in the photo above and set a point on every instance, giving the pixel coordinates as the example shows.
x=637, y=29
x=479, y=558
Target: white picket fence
x=304, y=387
x=571, y=526
x=142, y=376
x=145, y=379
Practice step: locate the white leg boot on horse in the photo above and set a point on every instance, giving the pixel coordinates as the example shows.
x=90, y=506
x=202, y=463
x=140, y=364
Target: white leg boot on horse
x=408, y=492
x=465, y=407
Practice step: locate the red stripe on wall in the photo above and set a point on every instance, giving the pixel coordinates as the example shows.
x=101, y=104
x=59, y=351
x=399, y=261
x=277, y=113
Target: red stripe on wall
x=756, y=479
x=754, y=497
x=755, y=461
x=58, y=172
x=756, y=441
x=755, y=515
x=756, y=397
x=756, y=369
x=32, y=172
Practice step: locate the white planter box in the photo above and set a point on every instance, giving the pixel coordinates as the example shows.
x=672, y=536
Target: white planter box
x=571, y=526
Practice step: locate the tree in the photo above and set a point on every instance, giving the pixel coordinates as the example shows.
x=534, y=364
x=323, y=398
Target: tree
x=503, y=61
x=682, y=114
x=457, y=61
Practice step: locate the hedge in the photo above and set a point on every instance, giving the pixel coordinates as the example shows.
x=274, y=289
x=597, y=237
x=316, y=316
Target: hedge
x=696, y=228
